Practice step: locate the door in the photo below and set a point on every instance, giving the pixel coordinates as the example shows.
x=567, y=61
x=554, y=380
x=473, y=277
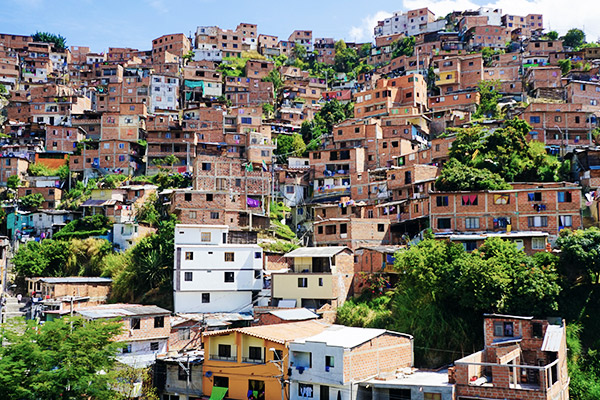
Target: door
x=324, y=392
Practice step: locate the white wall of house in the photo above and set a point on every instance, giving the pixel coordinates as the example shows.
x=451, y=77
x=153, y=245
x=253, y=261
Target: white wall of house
x=222, y=301
x=206, y=264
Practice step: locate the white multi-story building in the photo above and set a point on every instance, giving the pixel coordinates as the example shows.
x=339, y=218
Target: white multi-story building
x=213, y=275
x=163, y=93
x=411, y=23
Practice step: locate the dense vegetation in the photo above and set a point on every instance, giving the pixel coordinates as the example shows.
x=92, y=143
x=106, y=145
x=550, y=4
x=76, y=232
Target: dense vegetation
x=68, y=358
x=481, y=159
x=443, y=291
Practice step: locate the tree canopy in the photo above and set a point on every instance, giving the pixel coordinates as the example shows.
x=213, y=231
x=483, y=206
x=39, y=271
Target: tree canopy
x=289, y=146
x=480, y=159
x=59, y=359
x=488, y=102
x=59, y=42
x=574, y=38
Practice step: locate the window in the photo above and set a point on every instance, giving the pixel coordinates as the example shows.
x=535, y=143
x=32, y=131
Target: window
x=534, y=120
x=470, y=245
x=432, y=396
x=214, y=215
x=320, y=230
x=193, y=214
x=469, y=200
x=471, y=223
x=400, y=394
x=565, y=220
x=536, y=330
x=537, y=222
x=224, y=350
x=205, y=237
x=187, y=276
x=184, y=333
x=380, y=228
x=535, y=196
x=135, y=323
x=153, y=346
x=343, y=228
x=255, y=353
x=229, y=257
x=209, y=197
x=329, y=361
x=229, y=277
x=557, y=118
x=257, y=274
x=302, y=282
x=538, y=243
x=564, y=197
x=159, y=322
x=320, y=281
x=182, y=374
x=187, y=196
x=206, y=297
x=305, y=390
x=205, y=166
x=127, y=349
x=441, y=201
x=189, y=255
x=330, y=230
x=443, y=223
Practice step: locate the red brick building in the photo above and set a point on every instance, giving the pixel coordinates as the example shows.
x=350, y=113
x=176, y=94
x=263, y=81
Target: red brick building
x=523, y=358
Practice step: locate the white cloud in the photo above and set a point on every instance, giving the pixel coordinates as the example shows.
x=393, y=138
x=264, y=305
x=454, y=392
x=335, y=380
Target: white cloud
x=558, y=14
x=158, y=5
x=364, y=32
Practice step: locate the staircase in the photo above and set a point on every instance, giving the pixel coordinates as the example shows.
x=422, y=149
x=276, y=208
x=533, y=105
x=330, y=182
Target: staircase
x=12, y=308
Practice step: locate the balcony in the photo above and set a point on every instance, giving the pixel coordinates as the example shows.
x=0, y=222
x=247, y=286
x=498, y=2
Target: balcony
x=216, y=357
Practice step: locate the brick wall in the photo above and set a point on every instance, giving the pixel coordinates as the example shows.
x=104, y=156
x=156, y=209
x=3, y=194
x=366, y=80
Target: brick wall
x=385, y=353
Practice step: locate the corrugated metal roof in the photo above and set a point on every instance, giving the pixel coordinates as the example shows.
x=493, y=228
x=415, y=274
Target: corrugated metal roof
x=552, y=338
x=294, y=314
x=316, y=251
x=347, y=336
x=279, y=333
x=120, y=310
x=76, y=279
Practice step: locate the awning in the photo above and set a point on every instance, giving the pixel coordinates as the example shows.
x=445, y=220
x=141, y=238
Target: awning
x=218, y=393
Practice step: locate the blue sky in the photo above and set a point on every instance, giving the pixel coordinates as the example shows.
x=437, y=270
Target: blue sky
x=134, y=23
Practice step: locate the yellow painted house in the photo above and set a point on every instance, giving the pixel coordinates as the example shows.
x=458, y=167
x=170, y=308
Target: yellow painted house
x=251, y=362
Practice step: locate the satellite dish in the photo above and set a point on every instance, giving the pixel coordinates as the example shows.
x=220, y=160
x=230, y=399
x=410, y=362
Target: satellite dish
x=208, y=374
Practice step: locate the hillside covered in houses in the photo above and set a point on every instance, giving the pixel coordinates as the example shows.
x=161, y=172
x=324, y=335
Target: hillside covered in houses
x=232, y=214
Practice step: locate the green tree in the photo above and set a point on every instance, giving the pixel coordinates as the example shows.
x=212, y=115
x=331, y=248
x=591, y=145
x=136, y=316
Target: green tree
x=32, y=201
x=67, y=358
x=59, y=42
x=148, y=213
x=268, y=110
x=365, y=50
x=346, y=59
x=46, y=258
x=574, y=38
x=565, y=66
x=298, y=51
x=488, y=101
x=91, y=225
x=456, y=176
x=580, y=255
x=404, y=47
x=13, y=182
x=275, y=78
x=289, y=146
x=552, y=35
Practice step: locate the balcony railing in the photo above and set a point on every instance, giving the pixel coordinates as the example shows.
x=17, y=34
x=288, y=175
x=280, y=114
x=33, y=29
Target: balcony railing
x=217, y=357
x=253, y=360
